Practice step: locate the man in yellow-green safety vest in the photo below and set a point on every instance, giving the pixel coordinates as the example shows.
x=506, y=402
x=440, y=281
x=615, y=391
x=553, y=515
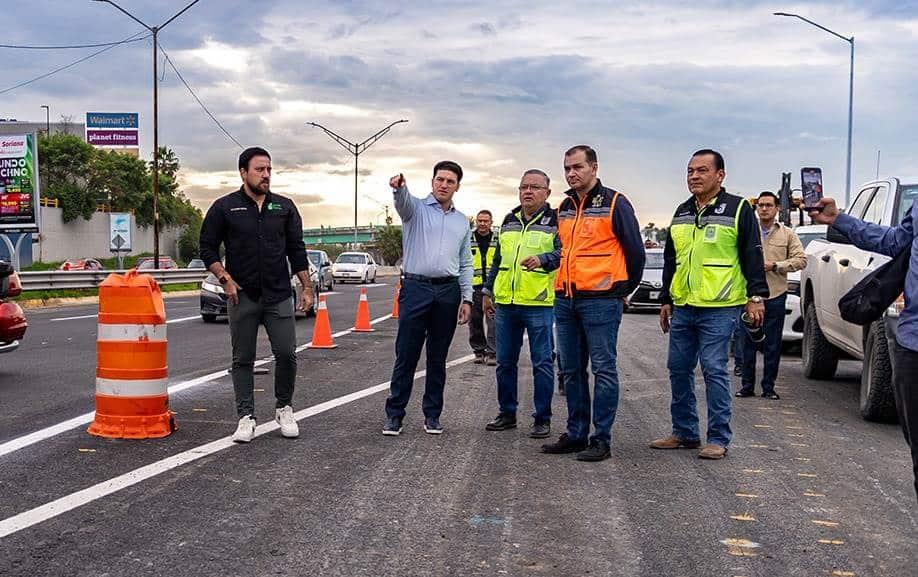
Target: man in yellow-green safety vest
x=520, y=285
x=484, y=245
x=712, y=266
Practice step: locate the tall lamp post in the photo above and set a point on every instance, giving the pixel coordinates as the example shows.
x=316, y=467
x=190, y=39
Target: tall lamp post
x=850, y=93
x=47, y=119
x=356, y=149
x=154, y=30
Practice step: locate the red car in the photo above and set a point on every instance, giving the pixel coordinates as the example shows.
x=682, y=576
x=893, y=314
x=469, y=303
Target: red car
x=13, y=322
x=81, y=264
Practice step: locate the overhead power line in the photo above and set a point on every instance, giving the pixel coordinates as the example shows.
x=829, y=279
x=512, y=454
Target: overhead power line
x=70, y=46
x=75, y=62
x=195, y=96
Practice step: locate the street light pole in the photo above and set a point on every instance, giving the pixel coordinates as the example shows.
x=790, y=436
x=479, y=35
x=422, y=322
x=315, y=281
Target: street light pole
x=850, y=93
x=356, y=149
x=154, y=30
x=47, y=119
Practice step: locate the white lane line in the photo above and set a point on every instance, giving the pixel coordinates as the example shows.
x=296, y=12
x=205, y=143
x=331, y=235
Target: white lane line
x=75, y=500
x=73, y=318
x=84, y=419
x=183, y=319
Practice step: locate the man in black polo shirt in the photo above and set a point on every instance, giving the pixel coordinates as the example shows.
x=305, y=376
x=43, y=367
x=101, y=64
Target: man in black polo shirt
x=261, y=232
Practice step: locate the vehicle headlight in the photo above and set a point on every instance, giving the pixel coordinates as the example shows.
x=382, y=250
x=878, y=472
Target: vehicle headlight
x=793, y=287
x=214, y=288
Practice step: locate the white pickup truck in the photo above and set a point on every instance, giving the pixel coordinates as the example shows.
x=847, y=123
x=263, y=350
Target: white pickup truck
x=834, y=266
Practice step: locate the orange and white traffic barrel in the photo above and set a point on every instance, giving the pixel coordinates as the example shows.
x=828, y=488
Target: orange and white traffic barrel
x=132, y=399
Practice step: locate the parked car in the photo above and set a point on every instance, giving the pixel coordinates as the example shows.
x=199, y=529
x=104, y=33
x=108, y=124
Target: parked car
x=195, y=263
x=793, y=317
x=213, y=297
x=320, y=260
x=13, y=323
x=165, y=262
x=647, y=294
x=834, y=266
x=81, y=264
x=358, y=266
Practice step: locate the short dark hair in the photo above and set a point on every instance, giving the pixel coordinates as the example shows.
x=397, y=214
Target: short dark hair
x=485, y=211
x=250, y=153
x=587, y=150
x=540, y=173
x=450, y=166
x=769, y=193
x=718, y=157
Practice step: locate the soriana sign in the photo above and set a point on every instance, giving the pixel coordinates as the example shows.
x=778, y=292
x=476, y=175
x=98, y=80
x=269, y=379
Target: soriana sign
x=19, y=183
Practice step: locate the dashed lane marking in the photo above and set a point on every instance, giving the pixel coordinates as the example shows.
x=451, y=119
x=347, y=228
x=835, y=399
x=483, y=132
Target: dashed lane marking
x=75, y=500
x=86, y=418
x=823, y=523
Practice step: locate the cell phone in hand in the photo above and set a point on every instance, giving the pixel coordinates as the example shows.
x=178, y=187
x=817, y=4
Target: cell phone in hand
x=811, y=187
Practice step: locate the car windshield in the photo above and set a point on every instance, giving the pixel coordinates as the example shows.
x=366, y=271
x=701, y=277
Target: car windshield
x=315, y=257
x=352, y=259
x=654, y=260
x=808, y=237
x=909, y=194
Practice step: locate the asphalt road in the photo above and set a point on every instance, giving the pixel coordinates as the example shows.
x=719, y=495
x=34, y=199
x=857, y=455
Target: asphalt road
x=808, y=488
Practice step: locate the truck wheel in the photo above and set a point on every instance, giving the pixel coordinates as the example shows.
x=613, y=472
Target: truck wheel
x=877, y=401
x=820, y=357
x=208, y=318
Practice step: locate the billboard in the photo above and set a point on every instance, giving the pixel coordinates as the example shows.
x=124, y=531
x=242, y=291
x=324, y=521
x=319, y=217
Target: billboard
x=113, y=129
x=19, y=192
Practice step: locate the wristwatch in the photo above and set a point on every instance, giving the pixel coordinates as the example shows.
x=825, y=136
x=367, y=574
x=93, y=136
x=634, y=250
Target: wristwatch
x=774, y=267
x=755, y=299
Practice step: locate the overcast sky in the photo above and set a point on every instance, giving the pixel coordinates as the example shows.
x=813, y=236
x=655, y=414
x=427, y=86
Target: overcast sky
x=499, y=87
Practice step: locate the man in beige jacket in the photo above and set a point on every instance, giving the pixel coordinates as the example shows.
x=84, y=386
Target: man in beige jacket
x=783, y=254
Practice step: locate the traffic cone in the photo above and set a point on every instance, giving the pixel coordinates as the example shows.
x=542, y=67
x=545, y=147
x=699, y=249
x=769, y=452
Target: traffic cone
x=132, y=399
x=321, y=331
x=362, y=324
x=398, y=289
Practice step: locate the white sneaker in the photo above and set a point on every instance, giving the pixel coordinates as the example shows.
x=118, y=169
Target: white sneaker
x=288, y=426
x=245, y=432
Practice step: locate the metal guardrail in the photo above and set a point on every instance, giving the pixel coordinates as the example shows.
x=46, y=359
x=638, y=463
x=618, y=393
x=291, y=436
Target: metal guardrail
x=83, y=279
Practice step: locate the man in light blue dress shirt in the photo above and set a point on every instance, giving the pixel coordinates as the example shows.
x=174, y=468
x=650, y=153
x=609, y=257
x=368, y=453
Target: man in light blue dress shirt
x=436, y=287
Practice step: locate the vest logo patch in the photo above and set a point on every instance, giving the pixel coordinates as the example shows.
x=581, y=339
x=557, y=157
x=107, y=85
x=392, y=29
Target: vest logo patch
x=720, y=209
x=545, y=220
x=597, y=201
x=710, y=233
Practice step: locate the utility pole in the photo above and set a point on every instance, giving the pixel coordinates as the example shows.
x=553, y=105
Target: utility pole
x=356, y=149
x=154, y=30
x=47, y=119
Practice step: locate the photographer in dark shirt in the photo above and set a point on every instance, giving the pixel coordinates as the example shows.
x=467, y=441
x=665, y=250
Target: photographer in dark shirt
x=261, y=232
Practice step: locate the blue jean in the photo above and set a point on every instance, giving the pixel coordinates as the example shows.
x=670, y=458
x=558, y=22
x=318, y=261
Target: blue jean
x=771, y=347
x=511, y=321
x=588, y=333
x=738, y=339
x=701, y=334
x=427, y=312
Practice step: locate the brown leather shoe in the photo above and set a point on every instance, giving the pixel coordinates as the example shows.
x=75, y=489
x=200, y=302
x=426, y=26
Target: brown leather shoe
x=674, y=442
x=710, y=451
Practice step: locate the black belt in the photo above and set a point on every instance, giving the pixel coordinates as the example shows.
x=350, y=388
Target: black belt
x=430, y=279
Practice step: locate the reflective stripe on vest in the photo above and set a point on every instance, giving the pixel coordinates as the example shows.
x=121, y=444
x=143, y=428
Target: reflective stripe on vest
x=592, y=259
x=514, y=284
x=708, y=272
x=479, y=273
